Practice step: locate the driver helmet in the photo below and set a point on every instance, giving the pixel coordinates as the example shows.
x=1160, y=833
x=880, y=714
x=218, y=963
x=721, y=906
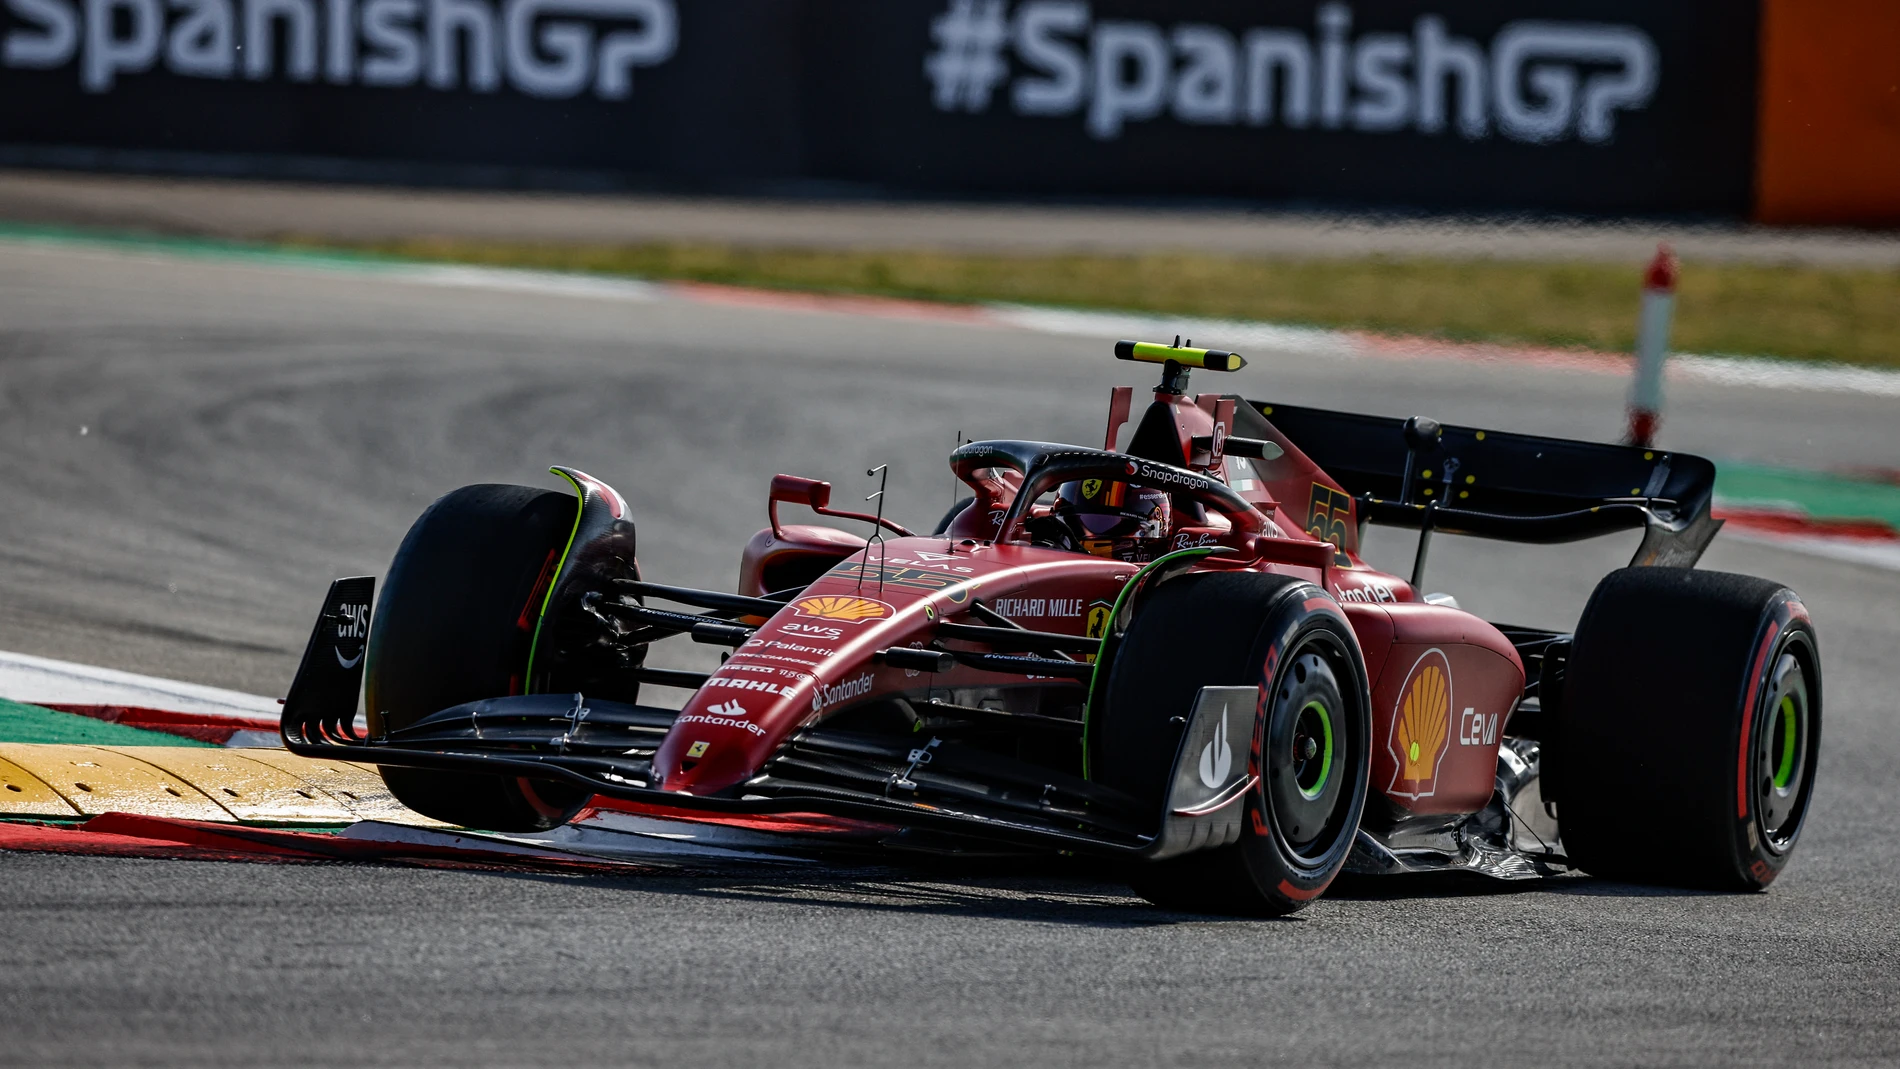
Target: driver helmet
x=1113, y=519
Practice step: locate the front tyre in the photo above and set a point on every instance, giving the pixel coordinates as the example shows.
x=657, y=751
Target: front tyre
x=1309, y=747
x=1690, y=729
x=454, y=624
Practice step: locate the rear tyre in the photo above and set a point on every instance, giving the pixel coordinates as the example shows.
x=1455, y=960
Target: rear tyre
x=1309, y=743
x=455, y=624
x=1689, y=729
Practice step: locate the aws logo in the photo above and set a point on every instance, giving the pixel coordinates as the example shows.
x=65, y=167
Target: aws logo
x=1421, y=727
x=352, y=630
x=851, y=610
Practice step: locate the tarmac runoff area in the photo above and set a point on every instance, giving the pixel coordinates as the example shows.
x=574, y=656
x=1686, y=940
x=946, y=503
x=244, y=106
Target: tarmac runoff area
x=195, y=445
x=200, y=207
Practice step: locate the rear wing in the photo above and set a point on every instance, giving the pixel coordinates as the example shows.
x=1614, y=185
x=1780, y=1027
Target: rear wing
x=1496, y=484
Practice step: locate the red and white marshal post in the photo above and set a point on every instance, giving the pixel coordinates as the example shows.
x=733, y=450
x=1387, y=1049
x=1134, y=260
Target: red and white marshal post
x=1652, y=345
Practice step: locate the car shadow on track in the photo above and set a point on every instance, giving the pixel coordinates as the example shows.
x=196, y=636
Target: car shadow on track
x=1070, y=892
x=1073, y=891
x=1472, y=885
x=1072, y=902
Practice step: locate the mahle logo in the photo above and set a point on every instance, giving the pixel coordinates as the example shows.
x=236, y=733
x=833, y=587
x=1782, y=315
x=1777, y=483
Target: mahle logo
x=851, y=610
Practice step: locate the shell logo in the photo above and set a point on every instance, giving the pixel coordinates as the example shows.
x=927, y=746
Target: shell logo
x=1421, y=727
x=844, y=608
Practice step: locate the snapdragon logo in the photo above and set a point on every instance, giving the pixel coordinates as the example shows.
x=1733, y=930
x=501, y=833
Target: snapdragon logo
x=552, y=49
x=1538, y=81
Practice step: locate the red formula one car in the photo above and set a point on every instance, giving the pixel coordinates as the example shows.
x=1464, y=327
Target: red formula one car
x=1172, y=653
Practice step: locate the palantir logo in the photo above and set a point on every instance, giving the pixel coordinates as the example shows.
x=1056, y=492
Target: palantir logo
x=545, y=48
x=1539, y=81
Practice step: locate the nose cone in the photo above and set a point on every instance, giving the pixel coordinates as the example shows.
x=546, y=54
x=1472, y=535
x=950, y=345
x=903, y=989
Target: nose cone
x=816, y=655
x=721, y=736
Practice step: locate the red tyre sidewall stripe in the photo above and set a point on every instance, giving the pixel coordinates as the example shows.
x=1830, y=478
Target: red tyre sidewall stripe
x=1750, y=701
x=1299, y=895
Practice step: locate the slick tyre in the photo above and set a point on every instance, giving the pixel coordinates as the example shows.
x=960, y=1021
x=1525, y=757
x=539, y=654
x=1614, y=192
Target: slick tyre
x=1309, y=747
x=454, y=624
x=1689, y=730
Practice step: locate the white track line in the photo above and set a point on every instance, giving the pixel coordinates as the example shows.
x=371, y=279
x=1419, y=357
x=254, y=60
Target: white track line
x=512, y=280
x=1878, y=553
x=1759, y=372
x=38, y=680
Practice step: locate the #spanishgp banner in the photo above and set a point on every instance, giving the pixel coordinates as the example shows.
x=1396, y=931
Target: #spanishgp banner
x=1600, y=106
x=628, y=87
x=1595, y=106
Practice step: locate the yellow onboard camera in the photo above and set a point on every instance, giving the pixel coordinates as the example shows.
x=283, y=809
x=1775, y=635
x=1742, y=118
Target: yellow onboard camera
x=1155, y=353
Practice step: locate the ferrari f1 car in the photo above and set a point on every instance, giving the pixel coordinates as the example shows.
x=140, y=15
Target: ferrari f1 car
x=1172, y=653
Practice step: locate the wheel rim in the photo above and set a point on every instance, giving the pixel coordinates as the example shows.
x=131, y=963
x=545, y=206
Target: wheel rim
x=1307, y=752
x=1781, y=751
x=1313, y=749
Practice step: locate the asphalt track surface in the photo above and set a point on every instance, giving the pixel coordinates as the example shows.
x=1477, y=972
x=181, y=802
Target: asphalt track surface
x=250, y=432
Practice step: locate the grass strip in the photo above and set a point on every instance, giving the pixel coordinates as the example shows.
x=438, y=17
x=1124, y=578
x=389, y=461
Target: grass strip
x=1791, y=311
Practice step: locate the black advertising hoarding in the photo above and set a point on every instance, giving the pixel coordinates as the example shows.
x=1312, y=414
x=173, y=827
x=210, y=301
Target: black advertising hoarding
x=1597, y=106
x=1609, y=106
x=693, y=90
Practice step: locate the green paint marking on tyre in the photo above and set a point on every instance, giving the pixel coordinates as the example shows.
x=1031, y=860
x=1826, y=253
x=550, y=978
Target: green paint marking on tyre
x=1326, y=749
x=534, y=644
x=1121, y=599
x=1785, y=770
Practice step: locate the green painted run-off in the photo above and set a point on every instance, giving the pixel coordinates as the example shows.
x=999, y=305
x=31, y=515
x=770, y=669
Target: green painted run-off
x=20, y=722
x=1820, y=495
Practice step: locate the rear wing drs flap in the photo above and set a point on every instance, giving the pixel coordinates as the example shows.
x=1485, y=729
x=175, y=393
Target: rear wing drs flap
x=1497, y=484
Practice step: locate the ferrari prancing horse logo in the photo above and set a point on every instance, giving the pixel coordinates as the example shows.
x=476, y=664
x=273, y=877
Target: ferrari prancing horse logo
x=1097, y=624
x=1091, y=488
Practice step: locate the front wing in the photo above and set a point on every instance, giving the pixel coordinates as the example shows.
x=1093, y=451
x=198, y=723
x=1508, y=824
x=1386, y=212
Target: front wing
x=607, y=748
